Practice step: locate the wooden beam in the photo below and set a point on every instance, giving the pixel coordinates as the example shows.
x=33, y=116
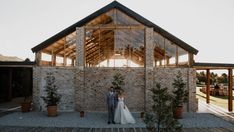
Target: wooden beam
x=207, y=86
x=230, y=85
x=115, y=27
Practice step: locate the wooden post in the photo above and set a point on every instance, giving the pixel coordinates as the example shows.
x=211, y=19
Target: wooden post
x=208, y=86
x=177, y=56
x=38, y=58
x=64, y=61
x=191, y=59
x=53, y=61
x=73, y=62
x=167, y=61
x=230, y=84
x=53, y=58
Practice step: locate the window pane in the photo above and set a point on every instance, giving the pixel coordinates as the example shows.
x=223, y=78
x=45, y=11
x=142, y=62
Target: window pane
x=104, y=19
x=123, y=19
x=159, y=50
x=137, y=49
x=183, y=56
x=92, y=48
x=170, y=53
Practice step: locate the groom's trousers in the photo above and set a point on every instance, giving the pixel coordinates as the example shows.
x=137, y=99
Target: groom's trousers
x=111, y=114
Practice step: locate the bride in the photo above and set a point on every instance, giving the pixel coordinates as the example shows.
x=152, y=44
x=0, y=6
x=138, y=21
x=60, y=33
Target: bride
x=122, y=114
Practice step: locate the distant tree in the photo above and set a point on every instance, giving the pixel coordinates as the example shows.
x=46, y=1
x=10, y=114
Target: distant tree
x=213, y=78
x=225, y=78
x=201, y=77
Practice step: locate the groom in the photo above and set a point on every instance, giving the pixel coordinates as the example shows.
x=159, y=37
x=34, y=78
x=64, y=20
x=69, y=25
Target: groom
x=112, y=101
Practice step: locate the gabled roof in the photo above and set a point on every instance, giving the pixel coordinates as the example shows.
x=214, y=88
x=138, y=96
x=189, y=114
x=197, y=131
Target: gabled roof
x=127, y=11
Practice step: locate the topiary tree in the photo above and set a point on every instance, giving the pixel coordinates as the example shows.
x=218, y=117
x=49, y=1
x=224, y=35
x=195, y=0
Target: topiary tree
x=118, y=81
x=161, y=119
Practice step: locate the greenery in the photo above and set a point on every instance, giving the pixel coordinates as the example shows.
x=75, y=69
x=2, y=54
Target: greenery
x=180, y=93
x=214, y=78
x=161, y=118
x=118, y=81
x=52, y=98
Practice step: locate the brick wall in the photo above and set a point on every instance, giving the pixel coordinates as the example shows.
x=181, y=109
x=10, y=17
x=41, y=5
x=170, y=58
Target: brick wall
x=91, y=96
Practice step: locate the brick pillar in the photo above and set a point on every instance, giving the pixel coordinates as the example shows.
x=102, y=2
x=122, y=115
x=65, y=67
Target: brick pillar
x=149, y=68
x=79, y=82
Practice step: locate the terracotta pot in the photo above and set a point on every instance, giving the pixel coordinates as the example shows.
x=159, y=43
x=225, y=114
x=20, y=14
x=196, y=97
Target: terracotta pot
x=81, y=114
x=142, y=114
x=52, y=111
x=25, y=106
x=178, y=112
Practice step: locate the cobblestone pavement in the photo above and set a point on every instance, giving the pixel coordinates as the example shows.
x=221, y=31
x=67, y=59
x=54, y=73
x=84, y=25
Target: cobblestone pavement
x=99, y=120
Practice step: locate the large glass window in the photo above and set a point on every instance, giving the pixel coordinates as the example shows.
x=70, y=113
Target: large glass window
x=168, y=54
x=114, y=48
x=112, y=17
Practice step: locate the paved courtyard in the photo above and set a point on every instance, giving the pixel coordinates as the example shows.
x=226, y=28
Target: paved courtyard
x=99, y=120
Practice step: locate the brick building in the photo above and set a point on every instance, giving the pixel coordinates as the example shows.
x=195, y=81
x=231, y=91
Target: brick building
x=85, y=56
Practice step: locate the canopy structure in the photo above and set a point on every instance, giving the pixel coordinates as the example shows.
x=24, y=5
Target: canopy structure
x=218, y=66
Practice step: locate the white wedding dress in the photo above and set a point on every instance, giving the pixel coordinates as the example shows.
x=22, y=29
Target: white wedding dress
x=122, y=114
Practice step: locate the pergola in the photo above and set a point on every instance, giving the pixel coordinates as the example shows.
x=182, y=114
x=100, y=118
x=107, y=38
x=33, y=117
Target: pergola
x=217, y=66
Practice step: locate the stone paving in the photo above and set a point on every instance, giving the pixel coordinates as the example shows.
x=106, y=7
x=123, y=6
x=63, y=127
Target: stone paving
x=99, y=120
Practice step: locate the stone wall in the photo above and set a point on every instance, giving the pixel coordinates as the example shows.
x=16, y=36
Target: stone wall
x=64, y=79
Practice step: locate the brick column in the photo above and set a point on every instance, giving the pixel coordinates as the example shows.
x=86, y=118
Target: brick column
x=149, y=68
x=79, y=81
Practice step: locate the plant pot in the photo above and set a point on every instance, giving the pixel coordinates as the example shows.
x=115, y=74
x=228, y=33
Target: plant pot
x=52, y=111
x=25, y=106
x=142, y=114
x=81, y=114
x=178, y=112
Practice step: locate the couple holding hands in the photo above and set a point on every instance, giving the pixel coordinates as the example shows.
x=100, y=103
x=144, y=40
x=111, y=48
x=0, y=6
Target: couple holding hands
x=117, y=109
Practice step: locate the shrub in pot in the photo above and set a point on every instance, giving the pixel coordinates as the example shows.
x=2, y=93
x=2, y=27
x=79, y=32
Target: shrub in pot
x=52, y=97
x=180, y=96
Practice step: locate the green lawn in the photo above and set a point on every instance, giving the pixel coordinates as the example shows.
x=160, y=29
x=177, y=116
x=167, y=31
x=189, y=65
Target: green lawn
x=216, y=100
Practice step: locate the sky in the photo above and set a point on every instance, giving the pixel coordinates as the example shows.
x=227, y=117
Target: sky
x=207, y=25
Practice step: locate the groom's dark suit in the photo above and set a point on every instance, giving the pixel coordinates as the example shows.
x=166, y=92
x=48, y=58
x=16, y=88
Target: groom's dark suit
x=111, y=104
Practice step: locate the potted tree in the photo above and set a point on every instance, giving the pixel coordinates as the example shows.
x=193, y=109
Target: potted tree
x=180, y=96
x=52, y=97
x=160, y=117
